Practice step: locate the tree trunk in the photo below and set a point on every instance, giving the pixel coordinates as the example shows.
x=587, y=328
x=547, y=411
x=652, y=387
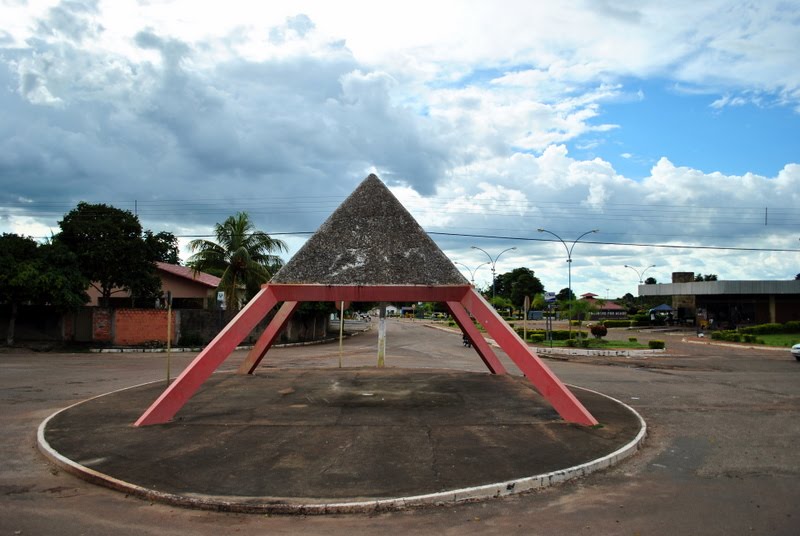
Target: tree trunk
x=12, y=323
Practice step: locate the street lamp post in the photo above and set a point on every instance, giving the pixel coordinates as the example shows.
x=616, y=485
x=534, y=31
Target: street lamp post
x=640, y=274
x=471, y=271
x=569, y=266
x=493, y=262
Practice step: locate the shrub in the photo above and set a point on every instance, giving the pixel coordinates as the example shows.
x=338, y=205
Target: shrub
x=727, y=335
x=764, y=329
x=599, y=331
x=617, y=323
x=571, y=343
x=632, y=339
x=656, y=345
x=584, y=343
x=535, y=337
x=191, y=340
x=451, y=323
x=767, y=329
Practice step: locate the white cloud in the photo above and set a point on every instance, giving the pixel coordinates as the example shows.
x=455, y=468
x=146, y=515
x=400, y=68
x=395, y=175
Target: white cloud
x=466, y=112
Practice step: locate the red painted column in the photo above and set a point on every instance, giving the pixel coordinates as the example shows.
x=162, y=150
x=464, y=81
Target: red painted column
x=207, y=361
x=485, y=351
x=539, y=374
x=266, y=339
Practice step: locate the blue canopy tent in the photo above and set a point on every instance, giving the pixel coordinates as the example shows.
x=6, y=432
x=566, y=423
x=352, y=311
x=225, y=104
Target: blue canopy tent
x=663, y=308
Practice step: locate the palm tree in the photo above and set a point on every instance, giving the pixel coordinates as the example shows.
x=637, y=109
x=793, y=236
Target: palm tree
x=242, y=257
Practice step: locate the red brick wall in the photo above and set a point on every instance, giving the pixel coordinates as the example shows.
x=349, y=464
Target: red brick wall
x=137, y=326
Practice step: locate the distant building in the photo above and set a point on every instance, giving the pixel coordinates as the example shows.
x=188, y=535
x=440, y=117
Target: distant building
x=190, y=289
x=729, y=303
x=606, y=309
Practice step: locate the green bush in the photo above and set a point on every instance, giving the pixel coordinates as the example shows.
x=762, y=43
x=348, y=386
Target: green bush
x=764, y=329
x=769, y=329
x=535, y=337
x=558, y=334
x=632, y=339
x=571, y=343
x=191, y=340
x=599, y=331
x=451, y=323
x=584, y=343
x=617, y=323
x=657, y=345
x=727, y=335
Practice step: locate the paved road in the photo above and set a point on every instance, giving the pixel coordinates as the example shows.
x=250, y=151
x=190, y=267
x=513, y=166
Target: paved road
x=722, y=456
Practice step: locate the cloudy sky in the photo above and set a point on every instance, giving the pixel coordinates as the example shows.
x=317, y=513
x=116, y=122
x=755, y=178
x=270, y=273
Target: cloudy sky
x=672, y=127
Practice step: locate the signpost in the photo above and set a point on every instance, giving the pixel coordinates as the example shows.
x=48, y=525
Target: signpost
x=550, y=299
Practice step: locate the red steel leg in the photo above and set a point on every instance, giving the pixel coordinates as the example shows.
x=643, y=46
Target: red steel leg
x=207, y=361
x=528, y=362
x=264, y=342
x=481, y=346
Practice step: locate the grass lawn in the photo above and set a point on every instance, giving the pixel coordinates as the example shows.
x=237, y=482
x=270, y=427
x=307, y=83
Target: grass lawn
x=780, y=339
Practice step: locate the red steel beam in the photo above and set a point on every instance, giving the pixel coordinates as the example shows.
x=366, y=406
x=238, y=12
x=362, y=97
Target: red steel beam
x=539, y=374
x=207, y=361
x=485, y=351
x=264, y=342
x=363, y=293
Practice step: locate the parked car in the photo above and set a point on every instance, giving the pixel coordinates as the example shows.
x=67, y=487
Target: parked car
x=796, y=351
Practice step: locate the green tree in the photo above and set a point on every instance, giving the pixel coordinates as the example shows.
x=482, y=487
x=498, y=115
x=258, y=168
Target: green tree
x=565, y=295
x=111, y=249
x=582, y=309
x=517, y=284
x=242, y=257
x=650, y=281
x=41, y=275
x=163, y=246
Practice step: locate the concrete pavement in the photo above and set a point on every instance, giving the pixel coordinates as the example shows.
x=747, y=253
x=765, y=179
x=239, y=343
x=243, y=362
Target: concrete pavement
x=339, y=440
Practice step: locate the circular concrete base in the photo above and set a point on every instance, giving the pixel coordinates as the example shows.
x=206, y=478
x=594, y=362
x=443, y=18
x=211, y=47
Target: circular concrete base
x=338, y=440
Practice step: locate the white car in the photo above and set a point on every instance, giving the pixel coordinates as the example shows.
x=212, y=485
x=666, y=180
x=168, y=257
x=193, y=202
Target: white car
x=796, y=351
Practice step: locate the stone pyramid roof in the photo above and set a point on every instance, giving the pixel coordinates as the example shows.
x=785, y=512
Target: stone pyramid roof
x=371, y=239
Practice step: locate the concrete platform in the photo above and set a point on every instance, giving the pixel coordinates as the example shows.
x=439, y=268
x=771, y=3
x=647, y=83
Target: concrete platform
x=338, y=440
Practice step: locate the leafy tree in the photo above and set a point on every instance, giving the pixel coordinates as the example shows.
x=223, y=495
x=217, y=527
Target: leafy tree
x=538, y=302
x=565, y=295
x=707, y=277
x=517, y=284
x=650, y=281
x=581, y=309
x=163, y=246
x=30, y=273
x=17, y=275
x=242, y=256
x=111, y=250
x=797, y=277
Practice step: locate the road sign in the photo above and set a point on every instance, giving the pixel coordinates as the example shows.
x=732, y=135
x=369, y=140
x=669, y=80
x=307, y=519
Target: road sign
x=549, y=297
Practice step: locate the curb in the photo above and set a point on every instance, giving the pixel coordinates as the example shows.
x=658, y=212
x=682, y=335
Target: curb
x=304, y=506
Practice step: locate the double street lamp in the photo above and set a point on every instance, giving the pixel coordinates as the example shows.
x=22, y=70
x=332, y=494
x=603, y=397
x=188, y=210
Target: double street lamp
x=640, y=274
x=569, y=265
x=470, y=270
x=493, y=262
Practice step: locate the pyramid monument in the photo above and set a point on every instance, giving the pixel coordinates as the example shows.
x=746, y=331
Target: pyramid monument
x=370, y=249
x=371, y=239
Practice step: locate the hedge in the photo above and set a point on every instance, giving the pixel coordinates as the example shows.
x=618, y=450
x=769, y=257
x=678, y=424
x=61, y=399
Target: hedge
x=558, y=334
x=617, y=323
x=767, y=329
x=656, y=345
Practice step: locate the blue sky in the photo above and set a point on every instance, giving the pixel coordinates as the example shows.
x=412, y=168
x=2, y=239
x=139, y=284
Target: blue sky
x=670, y=121
x=671, y=127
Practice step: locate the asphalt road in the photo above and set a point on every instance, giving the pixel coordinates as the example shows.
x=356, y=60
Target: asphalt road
x=721, y=458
